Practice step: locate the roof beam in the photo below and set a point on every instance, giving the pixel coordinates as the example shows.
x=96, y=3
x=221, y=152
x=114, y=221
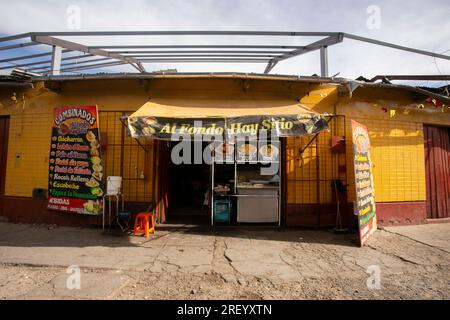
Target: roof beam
x=78, y=63
x=395, y=46
x=324, y=62
x=329, y=41
x=195, y=46
x=188, y=33
x=31, y=56
x=308, y=48
x=272, y=63
x=45, y=61
x=97, y=65
x=15, y=37
x=26, y=64
x=82, y=48
x=19, y=45
x=204, y=55
x=412, y=77
x=206, y=60
x=134, y=52
x=56, y=60
x=93, y=66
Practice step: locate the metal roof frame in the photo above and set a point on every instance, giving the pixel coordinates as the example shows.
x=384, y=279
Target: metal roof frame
x=420, y=77
x=111, y=55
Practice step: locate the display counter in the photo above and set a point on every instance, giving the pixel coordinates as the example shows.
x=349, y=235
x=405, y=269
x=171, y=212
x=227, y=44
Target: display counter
x=257, y=204
x=243, y=180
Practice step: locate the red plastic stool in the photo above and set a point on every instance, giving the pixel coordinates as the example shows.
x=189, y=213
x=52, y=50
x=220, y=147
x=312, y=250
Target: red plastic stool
x=144, y=223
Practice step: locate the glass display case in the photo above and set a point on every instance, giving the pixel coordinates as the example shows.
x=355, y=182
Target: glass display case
x=247, y=175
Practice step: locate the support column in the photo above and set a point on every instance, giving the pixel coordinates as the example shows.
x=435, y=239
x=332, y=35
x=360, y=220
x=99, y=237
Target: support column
x=56, y=60
x=324, y=61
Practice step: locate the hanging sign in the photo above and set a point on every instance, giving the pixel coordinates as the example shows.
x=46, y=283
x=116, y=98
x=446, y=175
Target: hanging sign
x=230, y=128
x=268, y=151
x=223, y=152
x=175, y=128
x=247, y=151
x=278, y=125
x=75, y=166
x=365, y=200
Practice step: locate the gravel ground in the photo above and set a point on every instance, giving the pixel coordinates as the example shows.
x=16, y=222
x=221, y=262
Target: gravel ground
x=295, y=264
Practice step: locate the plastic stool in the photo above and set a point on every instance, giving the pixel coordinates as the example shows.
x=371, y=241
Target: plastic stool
x=144, y=223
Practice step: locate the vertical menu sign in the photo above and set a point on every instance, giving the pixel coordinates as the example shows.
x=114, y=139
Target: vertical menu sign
x=75, y=166
x=365, y=200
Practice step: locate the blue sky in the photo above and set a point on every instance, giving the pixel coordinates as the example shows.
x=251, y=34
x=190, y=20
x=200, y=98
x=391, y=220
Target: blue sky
x=416, y=23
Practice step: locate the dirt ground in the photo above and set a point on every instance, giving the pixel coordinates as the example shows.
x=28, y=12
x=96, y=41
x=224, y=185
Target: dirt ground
x=199, y=263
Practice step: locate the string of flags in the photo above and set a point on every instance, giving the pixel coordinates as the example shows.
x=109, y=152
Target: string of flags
x=428, y=102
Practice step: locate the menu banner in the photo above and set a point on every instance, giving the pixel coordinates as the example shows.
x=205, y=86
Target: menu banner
x=230, y=128
x=223, y=152
x=75, y=165
x=365, y=199
x=247, y=151
x=278, y=125
x=174, y=128
x=268, y=151
x=252, y=151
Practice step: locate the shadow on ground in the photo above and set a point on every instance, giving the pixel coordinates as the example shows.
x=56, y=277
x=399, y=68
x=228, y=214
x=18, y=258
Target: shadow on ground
x=24, y=235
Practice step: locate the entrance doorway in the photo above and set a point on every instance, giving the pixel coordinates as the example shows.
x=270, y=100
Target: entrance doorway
x=437, y=169
x=190, y=186
x=184, y=193
x=4, y=130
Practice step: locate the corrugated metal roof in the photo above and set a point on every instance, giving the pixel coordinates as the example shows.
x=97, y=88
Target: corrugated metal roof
x=181, y=75
x=349, y=84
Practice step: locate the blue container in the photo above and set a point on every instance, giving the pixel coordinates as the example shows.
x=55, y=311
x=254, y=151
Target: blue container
x=222, y=210
x=125, y=215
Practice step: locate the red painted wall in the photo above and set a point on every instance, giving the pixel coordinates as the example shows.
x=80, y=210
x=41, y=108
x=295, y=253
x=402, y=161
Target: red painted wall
x=31, y=210
x=401, y=213
x=388, y=213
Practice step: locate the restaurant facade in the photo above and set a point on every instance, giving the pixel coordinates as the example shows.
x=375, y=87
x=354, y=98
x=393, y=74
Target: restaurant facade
x=314, y=186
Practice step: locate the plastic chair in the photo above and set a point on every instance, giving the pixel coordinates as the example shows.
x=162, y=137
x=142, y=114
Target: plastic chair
x=144, y=223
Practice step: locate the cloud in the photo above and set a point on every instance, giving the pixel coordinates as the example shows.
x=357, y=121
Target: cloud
x=416, y=23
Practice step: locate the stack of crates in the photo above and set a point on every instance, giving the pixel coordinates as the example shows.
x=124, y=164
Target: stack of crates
x=222, y=210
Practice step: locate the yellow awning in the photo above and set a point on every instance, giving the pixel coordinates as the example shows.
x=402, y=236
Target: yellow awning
x=225, y=108
x=165, y=118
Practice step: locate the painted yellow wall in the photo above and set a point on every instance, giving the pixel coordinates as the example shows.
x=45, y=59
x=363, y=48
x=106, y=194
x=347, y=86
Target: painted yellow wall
x=30, y=128
x=397, y=142
x=397, y=151
x=397, y=147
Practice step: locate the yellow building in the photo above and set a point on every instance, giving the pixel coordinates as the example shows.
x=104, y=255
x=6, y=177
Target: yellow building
x=406, y=179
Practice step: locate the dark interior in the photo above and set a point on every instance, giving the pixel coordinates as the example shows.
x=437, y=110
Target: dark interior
x=189, y=185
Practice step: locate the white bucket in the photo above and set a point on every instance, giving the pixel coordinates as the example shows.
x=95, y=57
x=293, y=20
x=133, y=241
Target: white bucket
x=113, y=185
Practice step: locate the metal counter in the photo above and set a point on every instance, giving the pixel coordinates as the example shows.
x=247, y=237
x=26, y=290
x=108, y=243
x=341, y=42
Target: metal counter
x=257, y=204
